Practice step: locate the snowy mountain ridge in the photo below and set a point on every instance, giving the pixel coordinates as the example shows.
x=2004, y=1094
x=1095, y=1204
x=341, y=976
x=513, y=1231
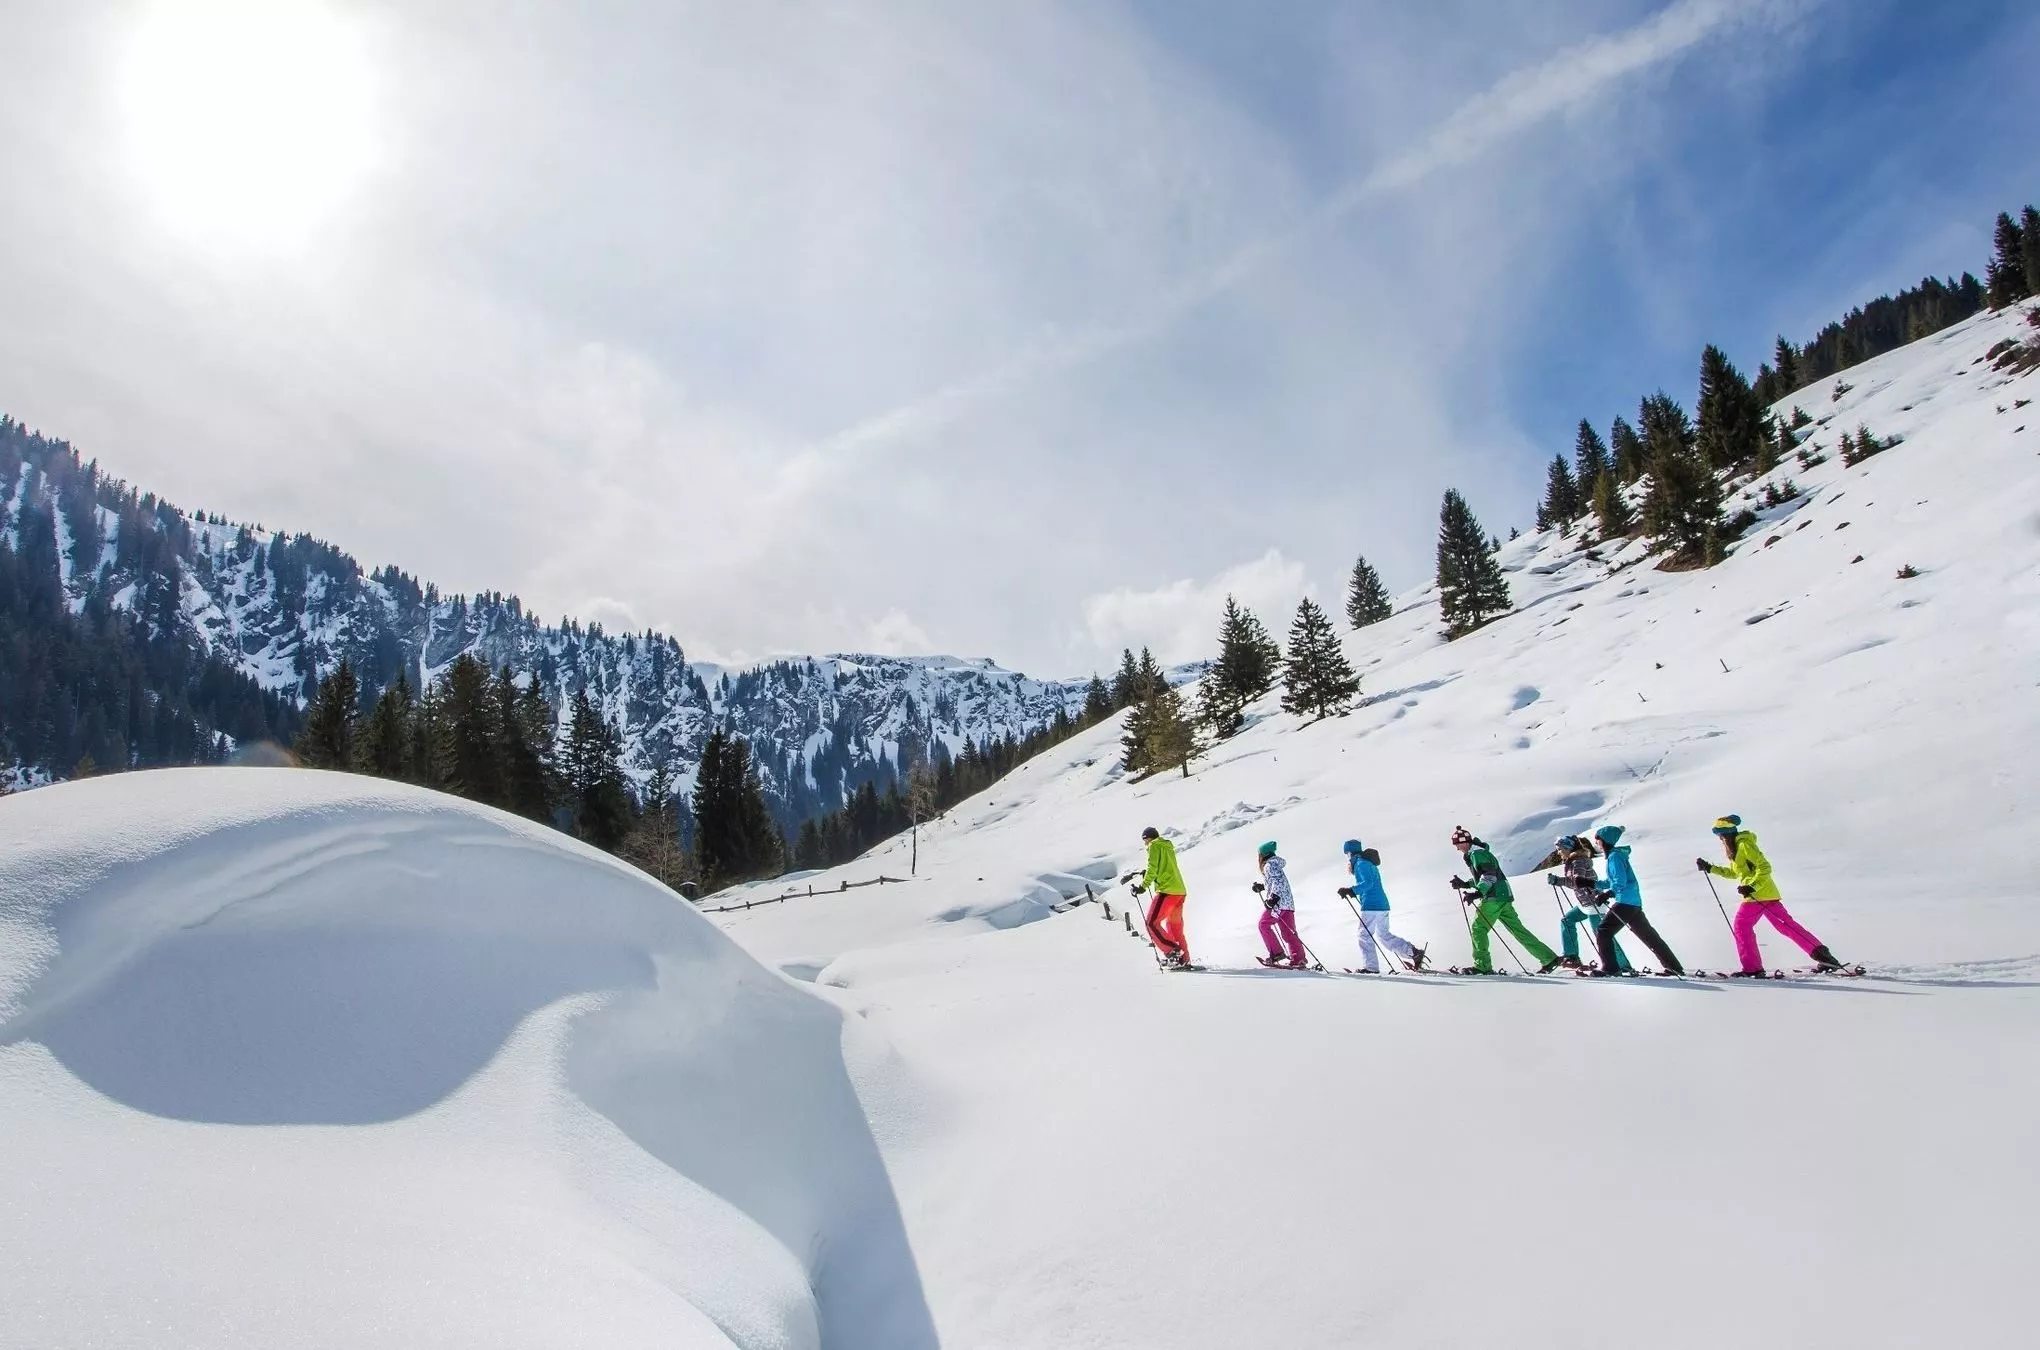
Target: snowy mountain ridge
x=286, y=609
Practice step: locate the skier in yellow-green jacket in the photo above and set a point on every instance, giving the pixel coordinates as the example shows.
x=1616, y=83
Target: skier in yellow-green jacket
x=1165, y=914
x=1751, y=871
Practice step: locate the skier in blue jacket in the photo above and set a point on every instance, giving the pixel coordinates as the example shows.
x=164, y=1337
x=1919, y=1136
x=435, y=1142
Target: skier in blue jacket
x=1372, y=900
x=1627, y=909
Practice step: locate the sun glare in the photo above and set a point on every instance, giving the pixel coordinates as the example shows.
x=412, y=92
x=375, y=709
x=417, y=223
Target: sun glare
x=249, y=121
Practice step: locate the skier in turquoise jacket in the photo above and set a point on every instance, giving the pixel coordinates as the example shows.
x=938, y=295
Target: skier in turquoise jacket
x=1627, y=909
x=1370, y=899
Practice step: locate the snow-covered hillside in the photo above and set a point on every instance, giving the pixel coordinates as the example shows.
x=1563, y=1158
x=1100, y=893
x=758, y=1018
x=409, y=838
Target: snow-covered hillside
x=284, y=610
x=300, y=1059
x=1091, y=1153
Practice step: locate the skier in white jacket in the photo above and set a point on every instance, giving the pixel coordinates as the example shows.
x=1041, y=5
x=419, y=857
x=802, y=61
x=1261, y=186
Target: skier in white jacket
x=1280, y=918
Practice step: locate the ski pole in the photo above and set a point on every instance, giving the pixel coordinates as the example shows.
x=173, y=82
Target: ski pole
x=1718, y=905
x=1510, y=948
x=1466, y=919
x=1147, y=929
x=1370, y=938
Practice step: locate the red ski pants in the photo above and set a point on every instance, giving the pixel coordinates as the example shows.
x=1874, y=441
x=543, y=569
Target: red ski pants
x=1165, y=925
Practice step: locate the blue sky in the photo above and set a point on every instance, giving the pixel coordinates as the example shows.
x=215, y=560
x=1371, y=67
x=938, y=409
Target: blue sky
x=1025, y=328
x=1877, y=151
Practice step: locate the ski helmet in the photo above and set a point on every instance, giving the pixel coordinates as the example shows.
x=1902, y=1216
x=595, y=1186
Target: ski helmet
x=1266, y=850
x=1353, y=846
x=1728, y=826
x=1150, y=833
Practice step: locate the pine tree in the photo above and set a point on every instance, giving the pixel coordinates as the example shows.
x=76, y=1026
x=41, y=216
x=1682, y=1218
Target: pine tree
x=464, y=758
x=653, y=844
x=735, y=837
x=1682, y=506
x=1126, y=690
x=2029, y=241
x=1590, y=463
x=1148, y=676
x=2006, y=276
x=327, y=740
x=425, y=719
x=383, y=745
x=1626, y=448
x=1561, y=496
x=1731, y=425
x=593, y=773
x=524, y=747
x=1786, y=359
x=1316, y=678
x=1367, y=599
x=1611, y=508
x=1471, y=587
x=1245, y=669
x=1133, y=741
x=1097, y=702
x=1171, y=740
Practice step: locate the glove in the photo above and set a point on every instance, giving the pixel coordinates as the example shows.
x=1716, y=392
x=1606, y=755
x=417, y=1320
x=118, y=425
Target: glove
x=1604, y=896
x=1459, y=883
x=1270, y=903
x=1139, y=891
x=1745, y=891
x=1258, y=888
x=1703, y=864
x=1345, y=892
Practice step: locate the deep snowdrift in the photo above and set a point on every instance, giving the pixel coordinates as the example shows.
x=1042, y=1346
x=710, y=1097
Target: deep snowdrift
x=1245, y=1157
x=307, y=1059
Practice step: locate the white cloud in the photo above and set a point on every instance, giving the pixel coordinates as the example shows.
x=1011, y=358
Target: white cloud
x=895, y=634
x=1179, y=621
x=650, y=310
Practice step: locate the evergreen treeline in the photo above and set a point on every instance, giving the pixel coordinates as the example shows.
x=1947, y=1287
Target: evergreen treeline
x=1685, y=459
x=98, y=688
x=493, y=737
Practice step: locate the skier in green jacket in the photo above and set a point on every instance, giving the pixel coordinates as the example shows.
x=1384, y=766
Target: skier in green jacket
x=1165, y=915
x=1497, y=904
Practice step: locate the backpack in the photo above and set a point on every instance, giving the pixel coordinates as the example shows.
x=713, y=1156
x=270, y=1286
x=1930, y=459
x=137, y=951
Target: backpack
x=1372, y=855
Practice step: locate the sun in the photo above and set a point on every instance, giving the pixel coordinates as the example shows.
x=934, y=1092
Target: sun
x=248, y=122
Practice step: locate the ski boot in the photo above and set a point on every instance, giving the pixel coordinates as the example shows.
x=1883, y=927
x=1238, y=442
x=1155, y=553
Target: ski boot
x=1553, y=964
x=1570, y=963
x=1823, y=959
x=1749, y=974
x=1417, y=958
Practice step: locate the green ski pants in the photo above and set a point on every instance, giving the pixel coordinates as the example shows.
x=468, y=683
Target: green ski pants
x=1503, y=912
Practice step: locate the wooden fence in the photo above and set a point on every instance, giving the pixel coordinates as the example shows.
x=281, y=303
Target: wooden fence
x=809, y=893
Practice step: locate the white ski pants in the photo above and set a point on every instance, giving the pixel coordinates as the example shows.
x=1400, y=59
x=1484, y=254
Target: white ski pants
x=1374, y=935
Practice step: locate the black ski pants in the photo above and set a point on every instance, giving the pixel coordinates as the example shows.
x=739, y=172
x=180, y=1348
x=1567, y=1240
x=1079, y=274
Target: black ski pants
x=1632, y=918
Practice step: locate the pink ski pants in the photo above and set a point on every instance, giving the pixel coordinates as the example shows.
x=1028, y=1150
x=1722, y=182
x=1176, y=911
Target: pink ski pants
x=1746, y=916
x=1281, y=921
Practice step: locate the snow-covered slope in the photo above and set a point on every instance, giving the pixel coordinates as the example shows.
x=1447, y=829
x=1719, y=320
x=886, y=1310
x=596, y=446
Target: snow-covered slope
x=299, y=1059
x=1090, y=1153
